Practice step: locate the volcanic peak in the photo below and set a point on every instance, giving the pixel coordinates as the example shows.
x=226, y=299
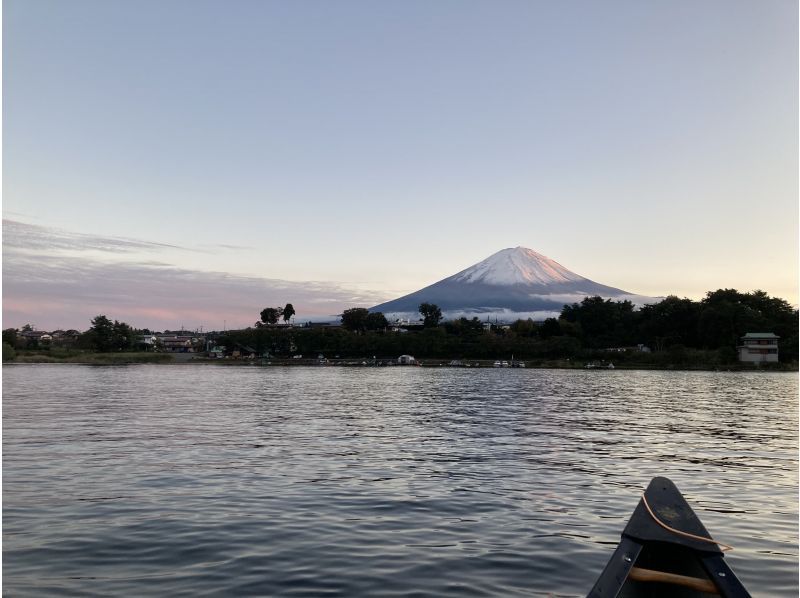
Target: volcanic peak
x=518, y=265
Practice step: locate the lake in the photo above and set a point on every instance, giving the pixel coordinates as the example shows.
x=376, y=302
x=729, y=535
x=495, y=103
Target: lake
x=202, y=480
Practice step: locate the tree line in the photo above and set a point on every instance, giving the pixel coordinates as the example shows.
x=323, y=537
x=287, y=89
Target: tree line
x=103, y=336
x=677, y=330
x=717, y=322
x=361, y=320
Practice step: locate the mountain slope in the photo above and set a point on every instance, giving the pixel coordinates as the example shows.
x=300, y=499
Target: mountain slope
x=511, y=281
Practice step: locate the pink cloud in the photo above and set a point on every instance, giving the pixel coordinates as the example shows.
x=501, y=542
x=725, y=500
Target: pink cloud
x=46, y=286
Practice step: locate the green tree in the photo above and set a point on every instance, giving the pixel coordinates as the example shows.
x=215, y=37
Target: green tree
x=779, y=317
x=464, y=327
x=376, y=321
x=122, y=336
x=288, y=312
x=525, y=328
x=725, y=316
x=10, y=336
x=269, y=315
x=8, y=352
x=605, y=323
x=561, y=346
x=550, y=328
x=431, y=314
x=355, y=319
x=101, y=334
x=670, y=321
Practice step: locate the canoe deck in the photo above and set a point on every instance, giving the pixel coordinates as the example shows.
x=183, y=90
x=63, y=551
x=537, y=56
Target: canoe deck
x=648, y=549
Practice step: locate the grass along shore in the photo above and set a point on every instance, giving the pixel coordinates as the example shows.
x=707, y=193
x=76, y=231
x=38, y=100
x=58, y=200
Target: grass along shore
x=123, y=358
x=89, y=358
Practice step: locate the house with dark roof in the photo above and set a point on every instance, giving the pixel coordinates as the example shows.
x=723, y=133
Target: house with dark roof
x=759, y=347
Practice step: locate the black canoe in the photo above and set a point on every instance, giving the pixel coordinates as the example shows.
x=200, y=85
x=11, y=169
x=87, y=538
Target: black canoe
x=652, y=561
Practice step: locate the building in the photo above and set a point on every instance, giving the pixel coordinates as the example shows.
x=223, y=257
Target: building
x=239, y=351
x=216, y=352
x=171, y=343
x=65, y=338
x=401, y=325
x=759, y=347
x=33, y=339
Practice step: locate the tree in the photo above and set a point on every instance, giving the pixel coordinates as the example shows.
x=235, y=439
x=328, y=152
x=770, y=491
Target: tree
x=525, y=328
x=101, y=334
x=605, y=323
x=105, y=335
x=288, y=312
x=355, y=319
x=269, y=315
x=10, y=336
x=431, y=314
x=550, y=327
x=376, y=321
x=670, y=321
x=725, y=315
x=122, y=336
x=464, y=327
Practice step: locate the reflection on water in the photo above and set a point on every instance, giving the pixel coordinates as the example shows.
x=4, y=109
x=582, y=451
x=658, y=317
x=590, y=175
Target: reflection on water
x=187, y=480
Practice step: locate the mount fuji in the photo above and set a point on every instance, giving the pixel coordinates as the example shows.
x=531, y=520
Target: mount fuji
x=510, y=284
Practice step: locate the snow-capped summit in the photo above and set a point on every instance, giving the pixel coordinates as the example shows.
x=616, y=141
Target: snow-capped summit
x=512, y=283
x=519, y=265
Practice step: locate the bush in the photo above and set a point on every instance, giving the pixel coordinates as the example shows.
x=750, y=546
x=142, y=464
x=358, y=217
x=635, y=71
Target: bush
x=727, y=355
x=34, y=357
x=8, y=352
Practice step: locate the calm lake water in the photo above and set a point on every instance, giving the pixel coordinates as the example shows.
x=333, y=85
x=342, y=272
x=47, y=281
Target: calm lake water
x=207, y=480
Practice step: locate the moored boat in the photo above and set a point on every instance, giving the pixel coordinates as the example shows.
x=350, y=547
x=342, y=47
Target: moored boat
x=666, y=551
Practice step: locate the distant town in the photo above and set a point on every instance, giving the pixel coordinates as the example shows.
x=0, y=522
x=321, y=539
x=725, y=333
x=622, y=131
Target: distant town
x=727, y=329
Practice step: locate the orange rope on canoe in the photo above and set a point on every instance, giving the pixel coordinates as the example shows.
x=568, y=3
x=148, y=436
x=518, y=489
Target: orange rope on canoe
x=723, y=547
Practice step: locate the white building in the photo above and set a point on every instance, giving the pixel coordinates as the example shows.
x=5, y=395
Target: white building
x=759, y=347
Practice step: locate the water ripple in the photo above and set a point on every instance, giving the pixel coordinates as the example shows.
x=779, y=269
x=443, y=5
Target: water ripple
x=207, y=481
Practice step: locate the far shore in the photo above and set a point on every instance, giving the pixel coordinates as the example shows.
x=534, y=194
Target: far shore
x=195, y=359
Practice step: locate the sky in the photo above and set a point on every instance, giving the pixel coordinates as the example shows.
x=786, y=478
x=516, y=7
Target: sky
x=188, y=163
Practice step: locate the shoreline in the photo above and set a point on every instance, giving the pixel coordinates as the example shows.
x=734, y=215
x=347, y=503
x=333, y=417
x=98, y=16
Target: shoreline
x=191, y=359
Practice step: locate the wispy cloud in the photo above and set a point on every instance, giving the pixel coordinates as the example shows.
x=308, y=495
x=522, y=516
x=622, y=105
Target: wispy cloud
x=226, y=246
x=46, y=283
x=33, y=237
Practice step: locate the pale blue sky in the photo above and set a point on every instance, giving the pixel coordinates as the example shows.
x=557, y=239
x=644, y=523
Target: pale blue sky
x=381, y=146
